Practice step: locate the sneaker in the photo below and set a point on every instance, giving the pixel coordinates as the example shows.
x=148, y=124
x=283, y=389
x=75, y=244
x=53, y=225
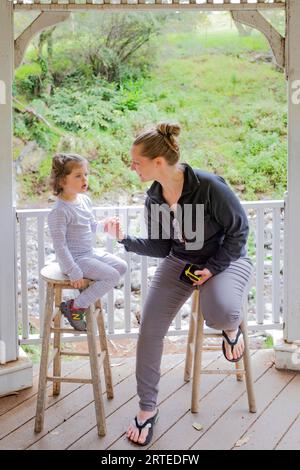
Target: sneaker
x=75, y=316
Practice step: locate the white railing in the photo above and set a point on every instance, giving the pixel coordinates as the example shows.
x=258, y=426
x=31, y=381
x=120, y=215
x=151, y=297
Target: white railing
x=34, y=250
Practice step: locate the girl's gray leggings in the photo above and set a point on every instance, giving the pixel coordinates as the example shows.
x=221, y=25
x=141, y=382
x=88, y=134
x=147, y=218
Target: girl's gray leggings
x=104, y=268
x=221, y=300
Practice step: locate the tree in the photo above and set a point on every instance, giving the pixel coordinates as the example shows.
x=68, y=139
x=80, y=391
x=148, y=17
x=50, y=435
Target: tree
x=115, y=42
x=44, y=60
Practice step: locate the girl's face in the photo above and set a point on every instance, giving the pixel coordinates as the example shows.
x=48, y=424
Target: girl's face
x=77, y=181
x=146, y=169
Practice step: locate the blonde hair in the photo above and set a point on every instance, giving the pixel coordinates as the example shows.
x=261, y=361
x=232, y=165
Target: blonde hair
x=160, y=140
x=63, y=165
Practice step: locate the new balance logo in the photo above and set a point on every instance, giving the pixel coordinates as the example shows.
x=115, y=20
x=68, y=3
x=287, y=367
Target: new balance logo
x=76, y=316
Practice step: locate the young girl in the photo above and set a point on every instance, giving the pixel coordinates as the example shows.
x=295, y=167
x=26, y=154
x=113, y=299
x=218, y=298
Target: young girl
x=72, y=223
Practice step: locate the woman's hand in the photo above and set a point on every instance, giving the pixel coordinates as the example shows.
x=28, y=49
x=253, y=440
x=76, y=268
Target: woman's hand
x=205, y=275
x=113, y=227
x=79, y=284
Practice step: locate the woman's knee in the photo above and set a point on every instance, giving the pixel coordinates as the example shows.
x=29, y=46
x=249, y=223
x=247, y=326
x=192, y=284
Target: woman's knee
x=226, y=318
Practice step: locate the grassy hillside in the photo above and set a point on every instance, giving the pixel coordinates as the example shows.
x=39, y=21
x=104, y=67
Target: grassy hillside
x=223, y=89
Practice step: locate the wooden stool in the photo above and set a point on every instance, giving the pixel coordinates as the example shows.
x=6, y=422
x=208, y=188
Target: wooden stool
x=56, y=282
x=194, y=356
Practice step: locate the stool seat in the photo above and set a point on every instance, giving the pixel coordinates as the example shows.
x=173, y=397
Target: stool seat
x=52, y=273
x=56, y=282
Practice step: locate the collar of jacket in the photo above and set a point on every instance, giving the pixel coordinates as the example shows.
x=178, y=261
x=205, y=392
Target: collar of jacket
x=191, y=183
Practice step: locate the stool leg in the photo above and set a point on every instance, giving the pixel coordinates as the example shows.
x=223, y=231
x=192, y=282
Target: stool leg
x=248, y=369
x=190, y=342
x=197, y=357
x=104, y=347
x=95, y=371
x=41, y=397
x=57, y=343
x=241, y=364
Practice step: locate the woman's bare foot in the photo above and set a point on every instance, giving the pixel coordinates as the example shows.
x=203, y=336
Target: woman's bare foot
x=133, y=432
x=238, y=349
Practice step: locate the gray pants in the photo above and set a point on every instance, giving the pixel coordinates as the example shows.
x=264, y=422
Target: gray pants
x=104, y=268
x=221, y=300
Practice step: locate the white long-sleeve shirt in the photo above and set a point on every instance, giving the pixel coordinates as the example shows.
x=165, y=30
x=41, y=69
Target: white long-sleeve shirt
x=71, y=226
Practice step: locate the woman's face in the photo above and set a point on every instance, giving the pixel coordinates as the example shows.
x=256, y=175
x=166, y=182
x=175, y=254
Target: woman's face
x=146, y=169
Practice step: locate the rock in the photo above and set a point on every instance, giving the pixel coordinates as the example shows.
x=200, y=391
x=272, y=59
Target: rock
x=185, y=311
x=135, y=281
x=119, y=300
x=268, y=307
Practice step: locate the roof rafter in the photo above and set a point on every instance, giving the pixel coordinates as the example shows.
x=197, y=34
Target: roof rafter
x=255, y=19
x=216, y=5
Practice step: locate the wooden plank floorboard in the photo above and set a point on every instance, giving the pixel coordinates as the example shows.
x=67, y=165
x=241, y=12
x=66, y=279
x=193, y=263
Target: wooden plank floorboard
x=118, y=421
x=70, y=418
x=18, y=425
x=233, y=423
x=178, y=404
x=278, y=417
x=222, y=391
x=291, y=438
x=84, y=420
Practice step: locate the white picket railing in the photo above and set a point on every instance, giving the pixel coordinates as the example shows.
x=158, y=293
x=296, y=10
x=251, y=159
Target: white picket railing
x=34, y=250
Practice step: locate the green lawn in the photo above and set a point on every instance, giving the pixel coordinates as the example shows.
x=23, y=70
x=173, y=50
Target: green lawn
x=230, y=102
x=232, y=109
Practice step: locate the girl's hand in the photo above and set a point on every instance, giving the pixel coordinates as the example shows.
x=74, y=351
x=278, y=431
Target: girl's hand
x=79, y=284
x=113, y=227
x=205, y=275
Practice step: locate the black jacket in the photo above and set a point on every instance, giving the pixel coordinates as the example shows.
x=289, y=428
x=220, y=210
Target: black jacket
x=225, y=223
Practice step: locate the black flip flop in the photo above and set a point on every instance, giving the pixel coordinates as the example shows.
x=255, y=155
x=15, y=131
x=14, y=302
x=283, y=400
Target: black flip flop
x=232, y=343
x=149, y=423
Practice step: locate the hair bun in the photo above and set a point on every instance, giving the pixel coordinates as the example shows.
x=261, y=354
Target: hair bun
x=58, y=163
x=168, y=130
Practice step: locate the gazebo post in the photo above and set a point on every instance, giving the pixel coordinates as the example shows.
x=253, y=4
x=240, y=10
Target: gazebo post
x=287, y=354
x=17, y=373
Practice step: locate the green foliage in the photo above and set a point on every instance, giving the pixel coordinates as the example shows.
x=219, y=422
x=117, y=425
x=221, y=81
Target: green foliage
x=113, y=47
x=269, y=343
x=20, y=128
x=33, y=352
x=75, y=110
x=45, y=168
x=232, y=108
x=251, y=245
x=118, y=46
x=66, y=61
x=28, y=78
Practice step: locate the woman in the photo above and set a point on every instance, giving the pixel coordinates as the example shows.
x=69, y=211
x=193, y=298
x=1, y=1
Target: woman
x=223, y=266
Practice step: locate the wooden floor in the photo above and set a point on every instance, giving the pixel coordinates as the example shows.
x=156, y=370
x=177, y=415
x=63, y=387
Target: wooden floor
x=70, y=419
